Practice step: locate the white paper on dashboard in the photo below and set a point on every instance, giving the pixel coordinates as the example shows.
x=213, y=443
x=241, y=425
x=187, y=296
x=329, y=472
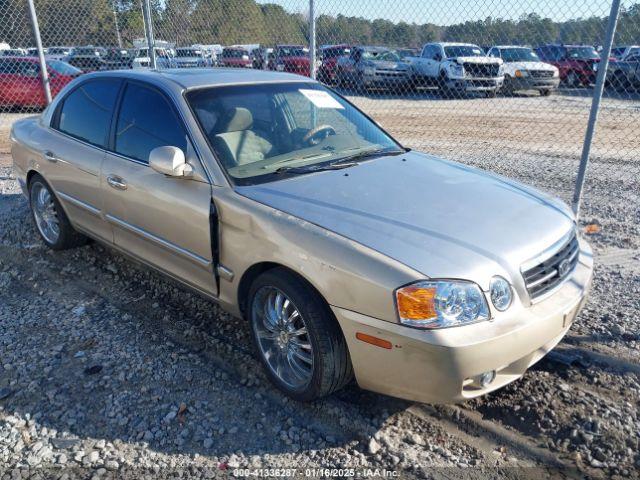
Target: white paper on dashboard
x=321, y=99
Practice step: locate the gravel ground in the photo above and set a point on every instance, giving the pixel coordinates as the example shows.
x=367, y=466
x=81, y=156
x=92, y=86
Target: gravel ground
x=107, y=368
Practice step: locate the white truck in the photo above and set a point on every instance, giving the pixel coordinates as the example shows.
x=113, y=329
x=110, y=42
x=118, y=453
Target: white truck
x=457, y=69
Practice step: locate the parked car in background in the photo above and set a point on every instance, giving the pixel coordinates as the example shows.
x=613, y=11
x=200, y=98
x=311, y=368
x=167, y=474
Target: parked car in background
x=87, y=59
x=291, y=59
x=457, y=69
x=58, y=53
x=328, y=58
x=13, y=52
x=21, y=82
x=425, y=279
x=624, y=51
x=235, y=57
x=373, y=67
x=117, y=59
x=33, y=52
x=164, y=58
x=189, y=57
x=576, y=63
x=624, y=76
x=523, y=70
x=260, y=57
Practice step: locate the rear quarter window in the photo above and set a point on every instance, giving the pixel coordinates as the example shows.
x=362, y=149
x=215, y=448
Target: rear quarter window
x=87, y=111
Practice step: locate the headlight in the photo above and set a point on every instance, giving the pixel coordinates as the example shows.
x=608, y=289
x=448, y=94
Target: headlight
x=441, y=304
x=522, y=73
x=369, y=71
x=501, y=294
x=556, y=73
x=456, y=70
x=501, y=71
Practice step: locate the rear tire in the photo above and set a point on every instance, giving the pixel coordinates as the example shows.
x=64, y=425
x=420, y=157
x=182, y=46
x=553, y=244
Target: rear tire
x=297, y=337
x=50, y=219
x=546, y=92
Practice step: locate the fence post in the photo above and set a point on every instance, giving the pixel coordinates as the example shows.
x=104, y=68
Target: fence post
x=44, y=75
x=115, y=21
x=148, y=31
x=312, y=38
x=595, y=104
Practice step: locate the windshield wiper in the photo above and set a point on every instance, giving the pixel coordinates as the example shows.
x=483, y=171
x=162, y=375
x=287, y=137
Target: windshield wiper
x=317, y=168
x=368, y=153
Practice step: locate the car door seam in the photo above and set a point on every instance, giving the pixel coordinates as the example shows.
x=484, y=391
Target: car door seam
x=158, y=240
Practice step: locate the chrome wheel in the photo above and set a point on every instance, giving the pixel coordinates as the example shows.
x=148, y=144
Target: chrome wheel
x=44, y=212
x=282, y=337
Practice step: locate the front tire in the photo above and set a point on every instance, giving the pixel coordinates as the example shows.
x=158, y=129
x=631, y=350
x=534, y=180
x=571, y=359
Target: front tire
x=297, y=338
x=50, y=219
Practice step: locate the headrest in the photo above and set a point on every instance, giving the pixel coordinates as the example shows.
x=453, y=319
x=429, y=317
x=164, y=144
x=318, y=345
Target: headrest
x=236, y=120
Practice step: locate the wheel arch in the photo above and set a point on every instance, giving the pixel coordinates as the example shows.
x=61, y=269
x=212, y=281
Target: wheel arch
x=257, y=269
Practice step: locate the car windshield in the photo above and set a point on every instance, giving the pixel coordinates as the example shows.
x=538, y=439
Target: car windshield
x=292, y=52
x=63, y=68
x=182, y=53
x=463, y=51
x=382, y=55
x=518, y=55
x=235, y=53
x=336, y=52
x=582, y=53
x=260, y=132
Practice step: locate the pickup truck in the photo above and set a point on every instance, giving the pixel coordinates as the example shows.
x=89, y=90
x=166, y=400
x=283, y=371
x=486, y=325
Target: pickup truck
x=457, y=68
x=372, y=67
x=523, y=70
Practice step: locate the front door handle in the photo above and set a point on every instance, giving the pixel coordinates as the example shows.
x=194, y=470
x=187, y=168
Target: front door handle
x=50, y=156
x=116, y=182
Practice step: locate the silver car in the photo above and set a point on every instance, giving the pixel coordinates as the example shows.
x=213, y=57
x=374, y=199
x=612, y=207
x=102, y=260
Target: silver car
x=348, y=254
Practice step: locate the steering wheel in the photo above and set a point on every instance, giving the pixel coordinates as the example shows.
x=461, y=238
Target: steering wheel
x=313, y=137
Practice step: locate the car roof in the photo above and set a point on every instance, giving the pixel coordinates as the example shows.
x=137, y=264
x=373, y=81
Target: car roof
x=511, y=46
x=454, y=44
x=190, y=78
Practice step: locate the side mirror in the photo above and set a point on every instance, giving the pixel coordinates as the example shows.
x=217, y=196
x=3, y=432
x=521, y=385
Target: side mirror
x=437, y=57
x=170, y=161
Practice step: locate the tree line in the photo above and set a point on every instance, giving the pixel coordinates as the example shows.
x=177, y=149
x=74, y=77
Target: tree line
x=226, y=22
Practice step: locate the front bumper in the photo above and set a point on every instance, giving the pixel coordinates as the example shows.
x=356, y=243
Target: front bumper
x=384, y=80
x=532, y=83
x=439, y=366
x=474, y=84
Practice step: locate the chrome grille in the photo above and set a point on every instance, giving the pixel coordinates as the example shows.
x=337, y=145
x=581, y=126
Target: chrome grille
x=482, y=70
x=550, y=273
x=541, y=73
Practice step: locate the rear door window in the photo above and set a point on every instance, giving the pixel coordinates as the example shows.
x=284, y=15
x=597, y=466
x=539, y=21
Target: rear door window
x=146, y=121
x=87, y=111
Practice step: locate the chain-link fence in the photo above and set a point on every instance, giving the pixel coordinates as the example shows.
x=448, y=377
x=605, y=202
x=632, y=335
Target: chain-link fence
x=505, y=85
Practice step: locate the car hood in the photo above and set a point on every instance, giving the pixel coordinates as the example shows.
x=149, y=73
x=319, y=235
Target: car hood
x=386, y=65
x=529, y=66
x=297, y=60
x=462, y=60
x=441, y=218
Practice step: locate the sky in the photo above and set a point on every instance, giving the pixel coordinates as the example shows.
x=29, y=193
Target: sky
x=443, y=12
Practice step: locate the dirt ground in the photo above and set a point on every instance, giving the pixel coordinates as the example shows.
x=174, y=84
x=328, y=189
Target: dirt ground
x=109, y=368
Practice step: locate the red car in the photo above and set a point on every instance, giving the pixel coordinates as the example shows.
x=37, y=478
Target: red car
x=236, y=58
x=21, y=84
x=291, y=59
x=575, y=62
x=329, y=58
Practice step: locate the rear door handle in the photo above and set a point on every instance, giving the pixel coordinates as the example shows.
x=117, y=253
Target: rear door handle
x=49, y=156
x=116, y=182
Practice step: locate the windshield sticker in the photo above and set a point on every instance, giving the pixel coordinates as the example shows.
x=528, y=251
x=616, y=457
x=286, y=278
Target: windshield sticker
x=321, y=99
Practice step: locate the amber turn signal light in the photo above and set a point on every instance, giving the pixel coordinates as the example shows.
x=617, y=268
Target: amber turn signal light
x=416, y=303
x=378, y=342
